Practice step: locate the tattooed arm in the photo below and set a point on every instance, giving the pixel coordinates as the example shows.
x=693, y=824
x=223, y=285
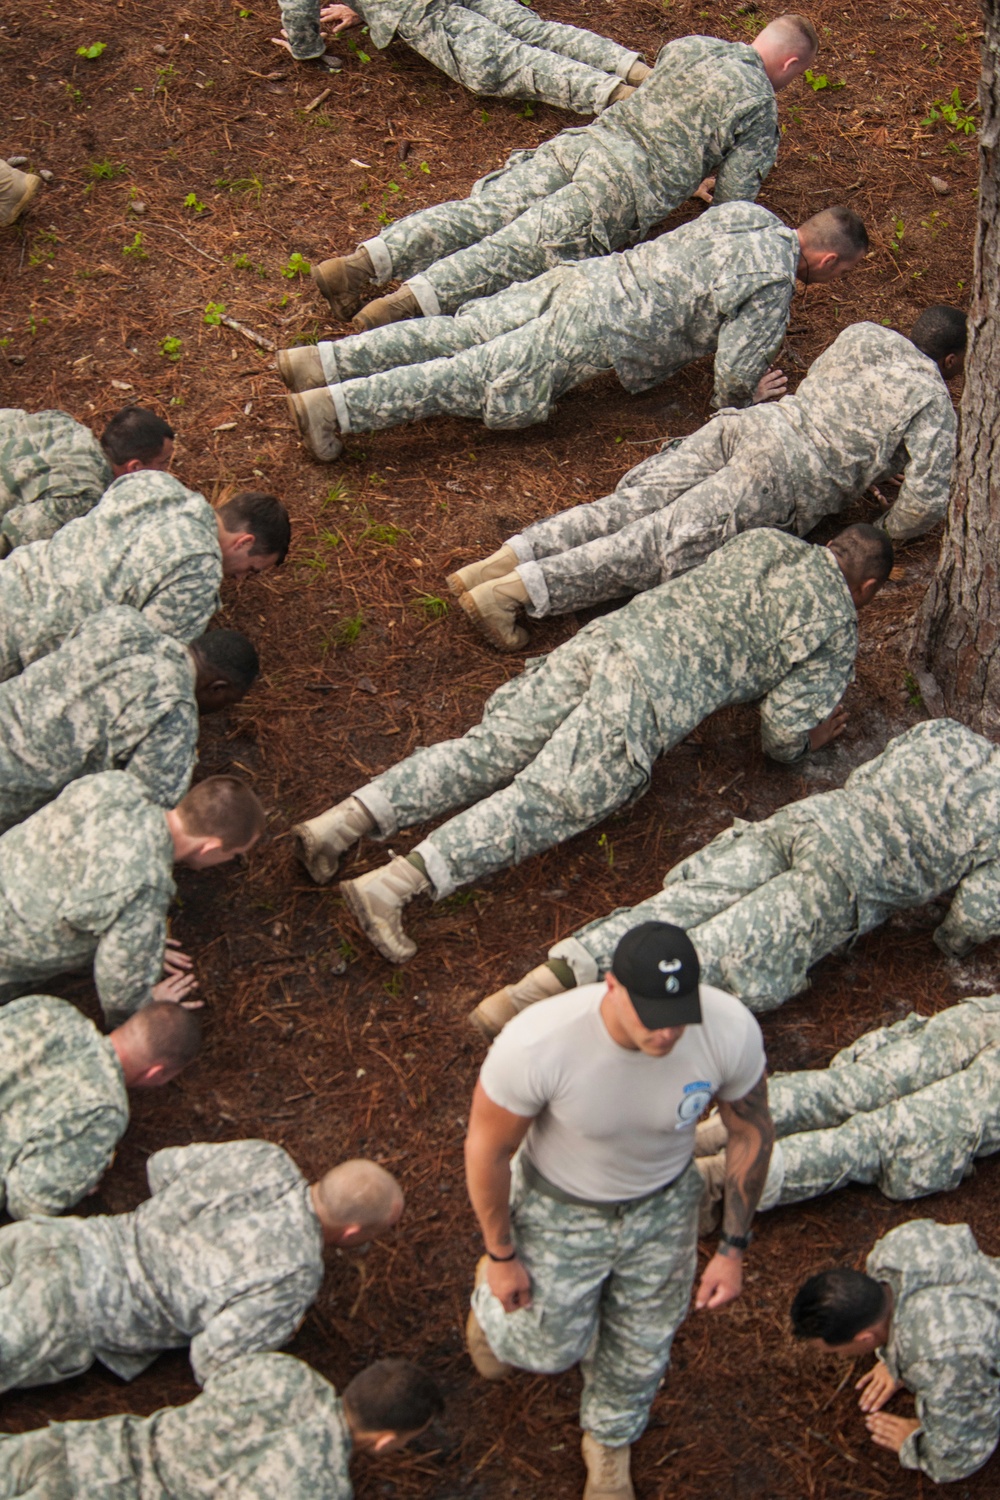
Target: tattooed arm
x=748, y=1151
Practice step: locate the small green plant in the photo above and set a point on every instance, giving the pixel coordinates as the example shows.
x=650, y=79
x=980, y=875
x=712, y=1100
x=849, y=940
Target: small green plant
x=192, y=201
x=384, y=218
x=527, y=111
x=425, y=168
x=104, y=170
x=43, y=247
x=136, y=251
x=252, y=186
x=393, y=986
x=337, y=494
x=73, y=94
x=484, y=118
x=913, y=692
x=393, y=187
x=899, y=233
x=817, y=81
x=953, y=112
x=170, y=348
x=244, y=263
x=164, y=78
x=432, y=606
x=382, y=533
x=296, y=265
x=213, y=314
x=347, y=632
x=92, y=52
x=934, y=223
x=347, y=950
x=5, y=344
x=362, y=57
x=603, y=842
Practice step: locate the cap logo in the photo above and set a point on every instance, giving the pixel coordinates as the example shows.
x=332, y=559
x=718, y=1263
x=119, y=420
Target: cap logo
x=669, y=965
x=672, y=985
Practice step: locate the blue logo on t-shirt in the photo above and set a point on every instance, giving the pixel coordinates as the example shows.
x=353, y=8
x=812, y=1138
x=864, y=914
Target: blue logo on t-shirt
x=695, y=1099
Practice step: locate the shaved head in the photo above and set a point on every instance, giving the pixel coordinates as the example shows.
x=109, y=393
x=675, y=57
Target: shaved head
x=787, y=47
x=356, y=1201
x=794, y=34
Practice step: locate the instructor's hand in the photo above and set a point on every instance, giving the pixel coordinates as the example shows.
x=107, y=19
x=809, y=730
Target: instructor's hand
x=771, y=386
x=877, y=1387
x=342, y=14
x=830, y=729
x=510, y=1284
x=178, y=989
x=722, y=1280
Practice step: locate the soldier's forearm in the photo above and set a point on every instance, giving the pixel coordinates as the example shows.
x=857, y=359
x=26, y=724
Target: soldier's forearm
x=748, y=1152
x=488, y=1181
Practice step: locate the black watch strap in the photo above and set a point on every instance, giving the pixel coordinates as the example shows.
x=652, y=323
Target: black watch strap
x=738, y=1241
x=501, y=1260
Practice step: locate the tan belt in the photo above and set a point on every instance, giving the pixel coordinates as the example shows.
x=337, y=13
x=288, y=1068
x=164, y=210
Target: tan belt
x=614, y=1210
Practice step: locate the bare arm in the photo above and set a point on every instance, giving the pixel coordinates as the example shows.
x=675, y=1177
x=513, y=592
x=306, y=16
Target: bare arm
x=494, y=1135
x=748, y=1151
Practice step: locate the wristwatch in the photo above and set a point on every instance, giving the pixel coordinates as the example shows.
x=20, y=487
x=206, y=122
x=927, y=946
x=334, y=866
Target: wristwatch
x=738, y=1241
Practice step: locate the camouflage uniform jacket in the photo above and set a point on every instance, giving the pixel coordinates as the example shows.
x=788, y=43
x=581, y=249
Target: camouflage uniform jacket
x=226, y=1254
x=117, y=695
x=267, y=1427
x=944, y=1342
x=918, y=819
x=382, y=17
x=767, y=616
x=51, y=470
x=89, y=878
x=873, y=404
x=150, y=543
x=722, y=283
x=63, y=1105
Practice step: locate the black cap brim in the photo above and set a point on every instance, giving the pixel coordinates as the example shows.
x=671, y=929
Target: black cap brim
x=667, y=1010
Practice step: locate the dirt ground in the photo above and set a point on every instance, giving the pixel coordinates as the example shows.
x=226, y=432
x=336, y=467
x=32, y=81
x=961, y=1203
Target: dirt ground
x=188, y=173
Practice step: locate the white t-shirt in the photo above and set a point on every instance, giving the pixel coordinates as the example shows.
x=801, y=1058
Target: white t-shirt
x=609, y=1124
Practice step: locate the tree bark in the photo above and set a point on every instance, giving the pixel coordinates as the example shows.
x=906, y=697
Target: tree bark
x=957, y=637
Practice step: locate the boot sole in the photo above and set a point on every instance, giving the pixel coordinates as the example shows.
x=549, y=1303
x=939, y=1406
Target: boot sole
x=369, y=925
x=286, y=372
x=468, y=604
x=454, y=582
x=305, y=854
x=301, y=420
x=342, y=302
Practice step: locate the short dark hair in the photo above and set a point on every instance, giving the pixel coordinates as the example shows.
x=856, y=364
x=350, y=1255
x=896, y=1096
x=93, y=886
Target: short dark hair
x=797, y=31
x=867, y=551
x=222, y=807
x=264, y=517
x=230, y=655
x=941, y=330
x=165, y=1033
x=393, y=1395
x=837, y=1305
x=838, y=229
x=134, y=432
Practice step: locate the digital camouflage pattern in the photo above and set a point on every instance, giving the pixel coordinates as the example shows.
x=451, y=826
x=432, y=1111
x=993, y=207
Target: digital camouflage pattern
x=267, y=1425
x=150, y=543
x=944, y=1343
x=63, y=1106
x=609, y=1291
x=722, y=283
x=707, y=109
x=765, y=901
x=226, y=1255
x=88, y=879
x=117, y=695
x=499, y=48
x=576, y=735
x=51, y=470
x=871, y=405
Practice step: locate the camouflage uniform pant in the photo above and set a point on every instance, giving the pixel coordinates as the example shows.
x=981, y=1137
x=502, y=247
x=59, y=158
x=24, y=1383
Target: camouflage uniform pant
x=908, y=1107
x=666, y=516
x=567, y=201
x=44, y=1320
x=558, y=749
x=609, y=1291
x=33, y=1466
x=504, y=359
x=762, y=903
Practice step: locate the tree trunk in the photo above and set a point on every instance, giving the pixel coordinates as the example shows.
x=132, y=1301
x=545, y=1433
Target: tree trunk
x=957, y=638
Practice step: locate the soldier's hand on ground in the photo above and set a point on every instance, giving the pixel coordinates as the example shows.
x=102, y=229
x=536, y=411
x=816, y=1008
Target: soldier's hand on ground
x=721, y=1281
x=176, y=989
x=704, y=190
x=771, y=386
x=510, y=1284
x=877, y=1387
x=343, y=15
x=890, y=1432
x=830, y=729
x=175, y=960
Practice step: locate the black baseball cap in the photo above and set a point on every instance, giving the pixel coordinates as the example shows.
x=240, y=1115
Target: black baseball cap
x=657, y=963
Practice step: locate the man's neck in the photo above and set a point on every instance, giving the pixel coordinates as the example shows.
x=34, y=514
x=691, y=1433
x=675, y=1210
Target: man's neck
x=612, y=1026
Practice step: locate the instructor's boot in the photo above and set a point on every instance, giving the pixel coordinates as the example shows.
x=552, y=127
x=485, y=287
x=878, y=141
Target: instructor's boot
x=342, y=281
x=316, y=418
x=492, y=1014
x=497, y=565
x=608, y=1470
x=301, y=369
x=395, y=308
x=482, y=1356
x=710, y=1135
x=16, y=192
x=319, y=842
x=376, y=901
x=493, y=609
x=637, y=73
x=712, y=1170
x=623, y=91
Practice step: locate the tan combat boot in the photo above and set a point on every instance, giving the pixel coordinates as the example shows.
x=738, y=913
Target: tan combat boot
x=608, y=1470
x=301, y=369
x=710, y=1135
x=623, y=91
x=395, y=308
x=492, y=1014
x=319, y=842
x=493, y=608
x=316, y=418
x=482, y=1356
x=342, y=281
x=17, y=189
x=713, y=1186
x=497, y=565
x=637, y=73
x=376, y=902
